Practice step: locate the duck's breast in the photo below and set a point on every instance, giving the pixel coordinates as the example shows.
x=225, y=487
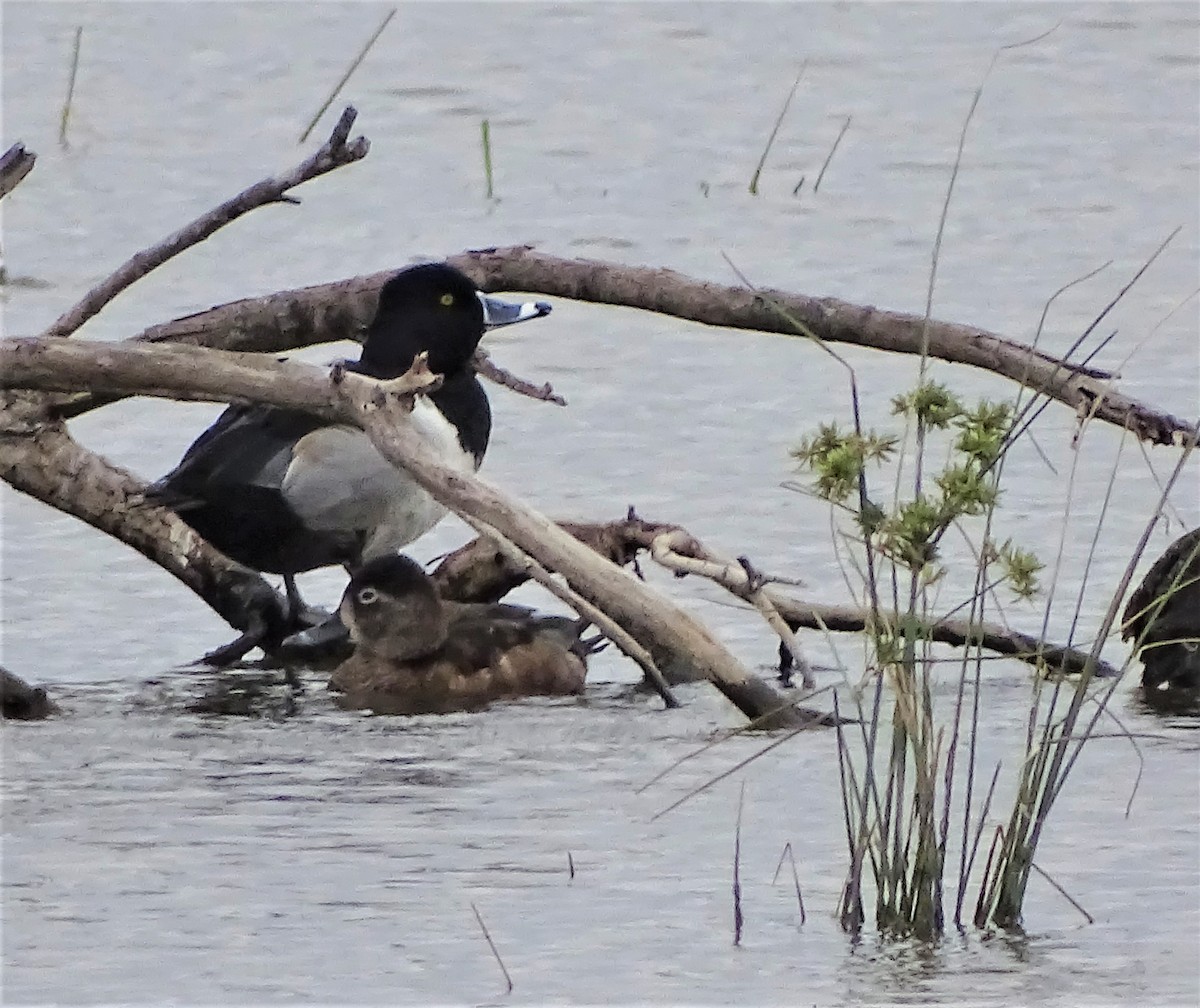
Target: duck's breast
x=338, y=480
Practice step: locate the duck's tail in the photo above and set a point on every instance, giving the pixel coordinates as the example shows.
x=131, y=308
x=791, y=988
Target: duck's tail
x=1171, y=666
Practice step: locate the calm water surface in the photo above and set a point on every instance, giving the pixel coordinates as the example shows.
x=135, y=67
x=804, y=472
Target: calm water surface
x=153, y=855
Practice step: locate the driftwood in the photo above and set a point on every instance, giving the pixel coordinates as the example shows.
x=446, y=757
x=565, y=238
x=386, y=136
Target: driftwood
x=478, y=572
x=381, y=409
x=38, y=456
x=339, y=311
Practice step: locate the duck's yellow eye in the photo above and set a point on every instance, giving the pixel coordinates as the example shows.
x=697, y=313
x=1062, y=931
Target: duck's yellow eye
x=368, y=596
x=447, y=300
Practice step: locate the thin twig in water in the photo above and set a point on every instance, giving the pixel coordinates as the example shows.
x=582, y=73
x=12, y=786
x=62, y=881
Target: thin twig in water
x=723, y=737
x=492, y=946
x=787, y=853
x=65, y=117
x=775, y=129
x=1063, y=892
x=738, y=919
x=346, y=76
x=829, y=156
x=736, y=767
x=494, y=372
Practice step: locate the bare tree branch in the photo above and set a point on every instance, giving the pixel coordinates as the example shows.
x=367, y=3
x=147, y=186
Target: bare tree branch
x=476, y=572
x=340, y=310
x=653, y=621
x=185, y=372
x=43, y=461
x=38, y=456
x=333, y=154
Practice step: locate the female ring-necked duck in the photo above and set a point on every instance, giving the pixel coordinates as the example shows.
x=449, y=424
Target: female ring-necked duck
x=285, y=492
x=416, y=653
x=1162, y=617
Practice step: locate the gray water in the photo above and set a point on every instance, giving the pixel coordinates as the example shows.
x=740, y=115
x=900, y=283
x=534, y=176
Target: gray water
x=153, y=855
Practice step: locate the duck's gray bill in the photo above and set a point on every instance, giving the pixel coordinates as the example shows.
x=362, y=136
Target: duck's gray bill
x=497, y=313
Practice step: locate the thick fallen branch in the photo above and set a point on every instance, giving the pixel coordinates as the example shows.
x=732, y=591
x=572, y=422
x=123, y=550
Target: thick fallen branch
x=338, y=311
x=183, y=372
x=38, y=456
x=477, y=572
x=43, y=461
x=649, y=618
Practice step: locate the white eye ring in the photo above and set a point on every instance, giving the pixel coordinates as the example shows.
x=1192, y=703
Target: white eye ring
x=367, y=596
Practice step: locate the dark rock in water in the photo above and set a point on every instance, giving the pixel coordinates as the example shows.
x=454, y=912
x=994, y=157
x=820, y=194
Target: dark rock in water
x=22, y=702
x=1162, y=618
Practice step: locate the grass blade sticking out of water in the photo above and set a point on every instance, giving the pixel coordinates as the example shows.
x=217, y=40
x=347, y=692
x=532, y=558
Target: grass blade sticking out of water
x=495, y=951
x=829, y=156
x=485, y=133
x=787, y=853
x=346, y=76
x=738, y=919
x=775, y=129
x=65, y=117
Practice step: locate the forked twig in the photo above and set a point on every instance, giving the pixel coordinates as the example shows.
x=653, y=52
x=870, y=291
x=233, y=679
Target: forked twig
x=334, y=153
x=787, y=853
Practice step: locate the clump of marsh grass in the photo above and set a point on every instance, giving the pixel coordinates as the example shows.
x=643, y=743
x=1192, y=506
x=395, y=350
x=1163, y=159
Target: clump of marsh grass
x=902, y=768
x=897, y=796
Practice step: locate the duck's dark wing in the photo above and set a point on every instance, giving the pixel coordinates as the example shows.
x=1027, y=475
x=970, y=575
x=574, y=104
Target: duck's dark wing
x=248, y=445
x=228, y=485
x=1175, y=574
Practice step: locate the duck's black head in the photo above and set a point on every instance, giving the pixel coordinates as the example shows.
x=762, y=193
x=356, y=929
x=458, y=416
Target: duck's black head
x=428, y=308
x=392, y=609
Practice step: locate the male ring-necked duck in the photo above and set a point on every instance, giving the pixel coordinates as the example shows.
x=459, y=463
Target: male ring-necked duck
x=415, y=653
x=1162, y=617
x=285, y=492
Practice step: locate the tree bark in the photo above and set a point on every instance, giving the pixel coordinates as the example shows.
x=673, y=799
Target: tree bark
x=337, y=311
x=43, y=461
x=81, y=484
x=478, y=572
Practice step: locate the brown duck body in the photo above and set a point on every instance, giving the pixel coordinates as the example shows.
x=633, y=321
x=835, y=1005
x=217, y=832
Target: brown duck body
x=417, y=654
x=1162, y=617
